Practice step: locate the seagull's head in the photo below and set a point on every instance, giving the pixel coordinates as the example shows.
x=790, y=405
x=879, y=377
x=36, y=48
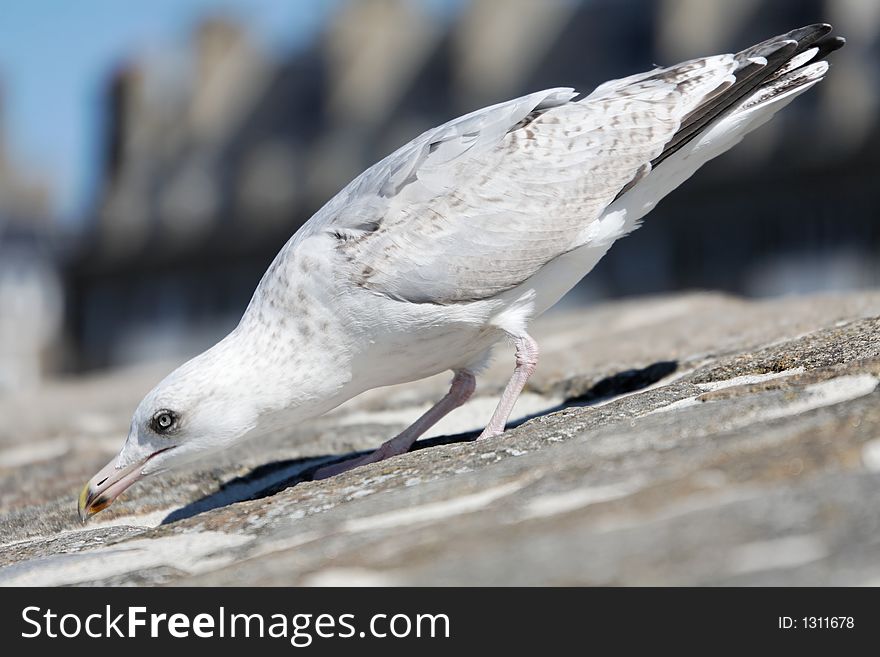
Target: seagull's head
x=194, y=410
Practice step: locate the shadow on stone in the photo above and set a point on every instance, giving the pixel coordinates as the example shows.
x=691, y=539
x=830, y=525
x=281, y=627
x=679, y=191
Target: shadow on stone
x=271, y=478
x=612, y=386
x=623, y=383
x=262, y=481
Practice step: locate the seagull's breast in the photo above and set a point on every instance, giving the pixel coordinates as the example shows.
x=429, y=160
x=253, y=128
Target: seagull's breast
x=399, y=341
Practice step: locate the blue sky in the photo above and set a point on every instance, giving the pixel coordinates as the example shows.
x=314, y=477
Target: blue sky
x=55, y=57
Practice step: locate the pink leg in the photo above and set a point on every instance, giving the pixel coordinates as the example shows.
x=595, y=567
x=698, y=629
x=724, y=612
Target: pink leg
x=526, y=362
x=463, y=385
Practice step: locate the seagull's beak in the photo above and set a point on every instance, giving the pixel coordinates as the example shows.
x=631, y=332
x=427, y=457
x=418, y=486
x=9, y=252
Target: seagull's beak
x=108, y=484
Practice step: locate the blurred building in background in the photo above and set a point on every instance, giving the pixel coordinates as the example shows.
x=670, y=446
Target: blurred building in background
x=30, y=283
x=216, y=154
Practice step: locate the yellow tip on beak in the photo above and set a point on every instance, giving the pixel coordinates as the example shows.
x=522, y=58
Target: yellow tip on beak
x=106, y=486
x=83, y=504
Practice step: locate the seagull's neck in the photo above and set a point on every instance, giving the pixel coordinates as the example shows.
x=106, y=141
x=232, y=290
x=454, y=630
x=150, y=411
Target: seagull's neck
x=285, y=368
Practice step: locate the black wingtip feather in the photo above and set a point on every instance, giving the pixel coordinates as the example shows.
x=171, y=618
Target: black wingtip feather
x=827, y=46
x=750, y=76
x=808, y=35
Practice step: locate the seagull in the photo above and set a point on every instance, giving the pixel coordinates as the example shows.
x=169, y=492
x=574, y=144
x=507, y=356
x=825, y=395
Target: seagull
x=451, y=244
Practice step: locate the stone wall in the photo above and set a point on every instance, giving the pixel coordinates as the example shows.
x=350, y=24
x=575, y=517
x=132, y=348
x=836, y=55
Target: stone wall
x=689, y=439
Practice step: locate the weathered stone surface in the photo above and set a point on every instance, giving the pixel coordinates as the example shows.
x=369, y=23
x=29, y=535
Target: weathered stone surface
x=693, y=439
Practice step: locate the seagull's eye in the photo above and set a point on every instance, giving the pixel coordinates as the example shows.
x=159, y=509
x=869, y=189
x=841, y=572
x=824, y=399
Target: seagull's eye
x=163, y=421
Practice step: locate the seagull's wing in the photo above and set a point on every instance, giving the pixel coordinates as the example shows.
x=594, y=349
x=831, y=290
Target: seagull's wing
x=480, y=204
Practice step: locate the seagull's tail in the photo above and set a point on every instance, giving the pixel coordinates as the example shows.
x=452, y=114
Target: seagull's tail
x=767, y=76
